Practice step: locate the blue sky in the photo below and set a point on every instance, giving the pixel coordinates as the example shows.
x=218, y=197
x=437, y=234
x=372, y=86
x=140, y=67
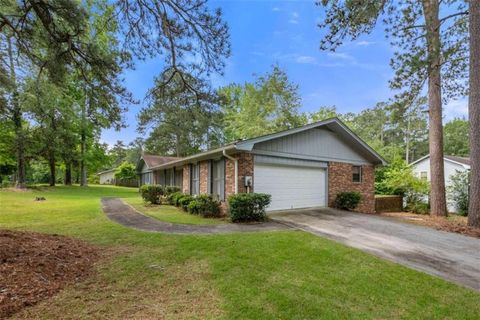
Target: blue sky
x=263, y=33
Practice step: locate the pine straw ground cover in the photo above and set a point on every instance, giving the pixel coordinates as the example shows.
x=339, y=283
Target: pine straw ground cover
x=452, y=223
x=35, y=266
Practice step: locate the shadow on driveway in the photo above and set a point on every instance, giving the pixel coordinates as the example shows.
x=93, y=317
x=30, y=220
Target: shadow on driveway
x=453, y=257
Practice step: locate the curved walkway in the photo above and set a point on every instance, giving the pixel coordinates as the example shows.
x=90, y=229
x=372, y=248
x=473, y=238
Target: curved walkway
x=119, y=212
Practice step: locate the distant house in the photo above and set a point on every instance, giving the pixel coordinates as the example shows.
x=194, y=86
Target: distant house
x=107, y=176
x=145, y=169
x=452, y=164
x=300, y=168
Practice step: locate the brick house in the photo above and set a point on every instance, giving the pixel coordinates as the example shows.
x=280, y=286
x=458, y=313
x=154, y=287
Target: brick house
x=300, y=168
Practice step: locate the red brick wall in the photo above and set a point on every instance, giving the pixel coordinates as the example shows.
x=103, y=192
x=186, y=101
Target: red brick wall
x=340, y=180
x=245, y=168
x=204, y=176
x=186, y=179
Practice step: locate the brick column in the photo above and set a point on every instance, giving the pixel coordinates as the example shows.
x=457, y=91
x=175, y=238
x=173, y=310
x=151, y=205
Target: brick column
x=186, y=179
x=204, y=177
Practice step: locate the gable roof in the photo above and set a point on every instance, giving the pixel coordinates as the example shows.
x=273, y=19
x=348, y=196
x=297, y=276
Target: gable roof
x=333, y=124
x=464, y=161
x=155, y=161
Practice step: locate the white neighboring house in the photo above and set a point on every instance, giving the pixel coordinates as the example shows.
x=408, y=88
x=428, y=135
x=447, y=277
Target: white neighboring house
x=107, y=176
x=452, y=164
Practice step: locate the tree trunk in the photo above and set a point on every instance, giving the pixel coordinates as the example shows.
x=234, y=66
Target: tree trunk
x=83, y=169
x=52, y=167
x=68, y=173
x=83, y=145
x=438, y=204
x=474, y=114
x=17, y=118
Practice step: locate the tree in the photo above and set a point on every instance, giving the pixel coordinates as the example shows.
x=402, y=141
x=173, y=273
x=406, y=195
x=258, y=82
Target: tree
x=323, y=113
x=458, y=191
x=429, y=49
x=126, y=171
x=185, y=120
x=270, y=104
x=456, y=137
x=118, y=153
x=474, y=114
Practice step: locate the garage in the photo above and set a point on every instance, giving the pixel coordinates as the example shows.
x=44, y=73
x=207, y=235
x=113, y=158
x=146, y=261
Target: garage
x=292, y=184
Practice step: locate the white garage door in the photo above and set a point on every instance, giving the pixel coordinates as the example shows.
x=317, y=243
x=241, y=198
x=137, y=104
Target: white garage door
x=290, y=187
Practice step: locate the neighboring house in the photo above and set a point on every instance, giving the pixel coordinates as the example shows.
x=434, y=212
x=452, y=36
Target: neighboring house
x=146, y=164
x=452, y=164
x=300, y=168
x=107, y=176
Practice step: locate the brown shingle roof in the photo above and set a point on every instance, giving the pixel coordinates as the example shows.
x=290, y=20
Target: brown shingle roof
x=152, y=161
x=462, y=160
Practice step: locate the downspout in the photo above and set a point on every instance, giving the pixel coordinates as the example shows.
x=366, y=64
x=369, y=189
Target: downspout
x=235, y=161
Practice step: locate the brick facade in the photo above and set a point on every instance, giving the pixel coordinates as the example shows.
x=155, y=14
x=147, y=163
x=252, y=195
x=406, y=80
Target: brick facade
x=186, y=179
x=340, y=180
x=204, y=179
x=245, y=168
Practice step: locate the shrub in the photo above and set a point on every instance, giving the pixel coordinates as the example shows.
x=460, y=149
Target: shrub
x=418, y=207
x=205, y=206
x=172, y=198
x=151, y=193
x=348, y=200
x=184, y=201
x=171, y=189
x=248, y=206
x=458, y=191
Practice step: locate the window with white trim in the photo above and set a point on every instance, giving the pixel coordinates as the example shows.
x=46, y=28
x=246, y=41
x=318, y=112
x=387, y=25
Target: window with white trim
x=218, y=179
x=195, y=179
x=357, y=174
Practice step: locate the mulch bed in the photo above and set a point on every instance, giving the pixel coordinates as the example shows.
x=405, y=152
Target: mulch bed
x=457, y=224
x=35, y=266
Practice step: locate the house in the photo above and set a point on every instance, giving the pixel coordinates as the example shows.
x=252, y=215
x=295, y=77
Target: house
x=107, y=176
x=300, y=168
x=145, y=169
x=452, y=164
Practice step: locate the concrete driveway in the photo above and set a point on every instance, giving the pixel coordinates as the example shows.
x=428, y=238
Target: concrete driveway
x=450, y=256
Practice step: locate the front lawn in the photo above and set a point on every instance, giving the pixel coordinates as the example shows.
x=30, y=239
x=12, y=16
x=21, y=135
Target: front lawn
x=169, y=213
x=273, y=275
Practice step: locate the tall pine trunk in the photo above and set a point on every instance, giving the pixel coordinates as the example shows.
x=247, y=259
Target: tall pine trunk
x=83, y=145
x=17, y=118
x=68, y=173
x=474, y=114
x=438, y=204
x=52, y=167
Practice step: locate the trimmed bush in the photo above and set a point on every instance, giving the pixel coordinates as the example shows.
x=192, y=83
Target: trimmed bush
x=205, y=206
x=348, y=200
x=184, y=201
x=151, y=193
x=248, y=206
x=171, y=189
x=172, y=198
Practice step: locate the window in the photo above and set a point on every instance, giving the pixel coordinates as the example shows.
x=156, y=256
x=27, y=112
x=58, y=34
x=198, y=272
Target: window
x=357, y=174
x=195, y=179
x=423, y=175
x=178, y=178
x=218, y=179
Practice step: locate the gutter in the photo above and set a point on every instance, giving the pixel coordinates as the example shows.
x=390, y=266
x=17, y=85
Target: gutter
x=235, y=161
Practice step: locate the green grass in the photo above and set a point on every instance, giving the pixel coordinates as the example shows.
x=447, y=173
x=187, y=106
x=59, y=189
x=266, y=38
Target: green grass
x=170, y=213
x=273, y=275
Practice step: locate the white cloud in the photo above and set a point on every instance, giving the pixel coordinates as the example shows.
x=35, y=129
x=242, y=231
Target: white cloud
x=364, y=43
x=275, y=9
x=294, y=18
x=306, y=59
x=340, y=55
x=456, y=109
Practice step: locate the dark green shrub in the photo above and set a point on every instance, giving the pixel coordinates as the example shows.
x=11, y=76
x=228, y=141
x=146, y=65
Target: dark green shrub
x=171, y=189
x=418, y=207
x=172, y=198
x=184, y=201
x=348, y=200
x=248, y=206
x=151, y=193
x=205, y=206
